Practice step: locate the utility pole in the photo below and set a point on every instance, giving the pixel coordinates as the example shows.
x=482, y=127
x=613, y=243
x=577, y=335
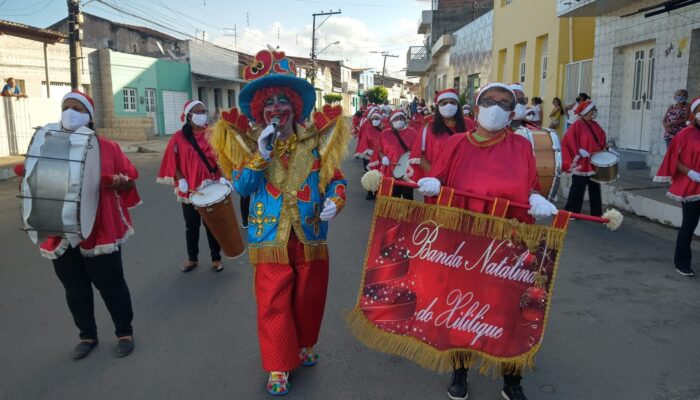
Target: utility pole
x=235, y=35
x=313, y=40
x=384, y=54
x=74, y=37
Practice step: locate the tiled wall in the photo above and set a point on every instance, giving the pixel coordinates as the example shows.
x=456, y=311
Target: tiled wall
x=471, y=50
x=672, y=71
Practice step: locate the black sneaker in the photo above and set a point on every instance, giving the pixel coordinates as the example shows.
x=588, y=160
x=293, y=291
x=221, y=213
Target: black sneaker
x=124, y=347
x=83, y=349
x=686, y=271
x=459, y=388
x=370, y=196
x=513, y=392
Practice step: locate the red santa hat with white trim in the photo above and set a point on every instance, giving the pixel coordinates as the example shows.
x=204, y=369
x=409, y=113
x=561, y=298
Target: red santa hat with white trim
x=373, y=110
x=188, y=107
x=395, y=114
x=446, y=94
x=84, y=99
x=691, y=115
x=584, y=107
x=516, y=86
x=494, y=85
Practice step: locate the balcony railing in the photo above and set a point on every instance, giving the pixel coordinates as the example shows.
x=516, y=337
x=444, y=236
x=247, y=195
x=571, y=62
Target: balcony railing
x=591, y=8
x=417, y=60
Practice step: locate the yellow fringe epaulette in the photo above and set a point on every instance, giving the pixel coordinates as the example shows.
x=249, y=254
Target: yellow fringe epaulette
x=232, y=145
x=334, y=136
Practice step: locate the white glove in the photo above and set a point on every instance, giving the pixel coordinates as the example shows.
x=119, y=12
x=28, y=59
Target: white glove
x=329, y=210
x=370, y=152
x=429, y=186
x=182, y=185
x=694, y=176
x=263, y=139
x=226, y=182
x=540, y=207
x=584, y=153
x=385, y=161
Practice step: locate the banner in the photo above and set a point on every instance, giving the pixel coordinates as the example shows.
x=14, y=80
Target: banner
x=446, y=287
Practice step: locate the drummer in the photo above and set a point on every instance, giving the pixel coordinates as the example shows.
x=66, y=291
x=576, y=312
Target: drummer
x=97, y=260
x=393, y=143
x=519, y=120
x=584, y=138
x=190, y=164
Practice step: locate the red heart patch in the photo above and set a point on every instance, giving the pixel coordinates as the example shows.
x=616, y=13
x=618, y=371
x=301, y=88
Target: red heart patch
x=332, y=112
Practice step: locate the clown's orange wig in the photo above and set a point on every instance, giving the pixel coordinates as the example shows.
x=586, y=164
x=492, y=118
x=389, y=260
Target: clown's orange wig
x=257, y=105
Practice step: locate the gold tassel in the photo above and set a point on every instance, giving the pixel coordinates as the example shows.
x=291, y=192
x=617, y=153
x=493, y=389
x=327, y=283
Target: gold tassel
x=333, y=153
x=268, y=255
x=229, y=146
x=315, y=252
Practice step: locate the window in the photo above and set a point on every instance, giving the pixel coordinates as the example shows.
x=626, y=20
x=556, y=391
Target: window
x=578, y=80
x=455, y=85
x=203, y=96
x=150, y=100
x=129, y=99
x=521, y=67
x=231, y=98
x=651, y=65
x=543, y=67
x=505, y=2
x=217, y=98
x=502, y=76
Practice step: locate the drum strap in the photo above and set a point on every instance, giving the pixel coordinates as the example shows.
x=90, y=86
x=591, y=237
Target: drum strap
x=190, y=138
x=398, y=136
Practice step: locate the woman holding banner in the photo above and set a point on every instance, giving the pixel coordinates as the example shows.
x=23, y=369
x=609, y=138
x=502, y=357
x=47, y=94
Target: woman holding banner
x=490, y=162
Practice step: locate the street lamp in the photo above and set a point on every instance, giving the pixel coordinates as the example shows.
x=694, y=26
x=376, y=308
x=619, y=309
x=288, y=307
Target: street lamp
x=323, y=49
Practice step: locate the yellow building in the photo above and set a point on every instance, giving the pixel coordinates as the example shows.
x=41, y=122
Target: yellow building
x=534, y=47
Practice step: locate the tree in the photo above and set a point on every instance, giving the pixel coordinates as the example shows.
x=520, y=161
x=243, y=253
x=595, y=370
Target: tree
x=331, y=98
x=377, y=95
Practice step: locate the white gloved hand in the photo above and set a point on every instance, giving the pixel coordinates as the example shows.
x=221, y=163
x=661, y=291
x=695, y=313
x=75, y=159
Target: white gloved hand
x=385, y=161
x=329, y=210
x=429, y=186
x=694, y=176
x=540, y=207
x=584, y=153
x=370, y=152
x=226, y=182
x=182, y=185
x=263, y=139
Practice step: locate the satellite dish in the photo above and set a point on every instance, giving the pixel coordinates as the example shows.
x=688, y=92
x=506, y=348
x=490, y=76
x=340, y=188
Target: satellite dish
x=160, y=47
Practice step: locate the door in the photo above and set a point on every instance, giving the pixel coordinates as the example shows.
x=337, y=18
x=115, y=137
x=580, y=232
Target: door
x=636, y=126
x=173, y=102
x=151, y=108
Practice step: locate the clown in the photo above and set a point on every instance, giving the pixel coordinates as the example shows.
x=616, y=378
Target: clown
x=291, y=171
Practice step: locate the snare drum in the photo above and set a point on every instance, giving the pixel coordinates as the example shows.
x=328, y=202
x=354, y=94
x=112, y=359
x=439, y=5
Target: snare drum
x=61, y=189
x=402, y=169
x=214, y=204
x=547, y=149
x=605, y=165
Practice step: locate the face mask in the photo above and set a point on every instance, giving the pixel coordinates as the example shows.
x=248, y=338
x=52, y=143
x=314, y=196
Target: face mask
x=72, y=120
x=199, y=119
x=398, y=125
x=426, y=112
x=680, y=99
x=376, y=122
x=448, y=110
x=493, y=118
x=520, y=111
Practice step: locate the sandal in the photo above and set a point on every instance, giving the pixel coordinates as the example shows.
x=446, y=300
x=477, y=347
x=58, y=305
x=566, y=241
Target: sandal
x=217, y=266
x=308, y=356
x=189, y=266
x=278, y=383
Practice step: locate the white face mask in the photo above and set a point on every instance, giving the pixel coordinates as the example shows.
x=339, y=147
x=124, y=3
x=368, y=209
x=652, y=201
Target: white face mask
x=493, y=118
x=398, y=125
x=72, y=120
x=448, y=110
x=520, y=111
x=199, y=119
x=376, y=122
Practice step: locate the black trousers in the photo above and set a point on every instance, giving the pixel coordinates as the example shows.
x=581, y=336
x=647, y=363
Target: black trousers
x=245, y=210
x=578, y=191
x=508, y=379
x=691, y=215
x=78, y=273
x=402, y=191
x=192, y=222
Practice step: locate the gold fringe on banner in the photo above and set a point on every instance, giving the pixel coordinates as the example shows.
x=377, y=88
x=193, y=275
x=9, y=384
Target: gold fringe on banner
x=428, y=357
x=460, y=220
x=279, y=255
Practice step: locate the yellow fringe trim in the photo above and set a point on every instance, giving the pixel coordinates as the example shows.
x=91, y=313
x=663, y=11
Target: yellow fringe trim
x=429, y=357
x=457, y=219
x=230, y=147
x=279, y=255
x=333, y=151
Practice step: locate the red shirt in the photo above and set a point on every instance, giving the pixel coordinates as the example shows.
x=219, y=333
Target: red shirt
x=390, y=146
x=429, y=145
x=586, y=135
x=367, y=139
x=684, y=147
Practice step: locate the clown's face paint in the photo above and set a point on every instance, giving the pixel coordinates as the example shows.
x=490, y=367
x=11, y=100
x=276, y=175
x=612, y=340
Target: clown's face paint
x=279, y=106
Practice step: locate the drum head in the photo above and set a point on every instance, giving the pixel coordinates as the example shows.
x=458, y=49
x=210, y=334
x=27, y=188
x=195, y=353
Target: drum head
x=90, y=190
x=604, y=159
x=401, y=167
x=210, y=194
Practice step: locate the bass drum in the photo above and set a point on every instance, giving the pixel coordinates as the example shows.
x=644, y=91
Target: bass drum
x=547, y=149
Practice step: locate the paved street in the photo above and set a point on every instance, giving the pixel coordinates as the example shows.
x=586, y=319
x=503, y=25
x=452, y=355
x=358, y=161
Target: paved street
x=624, y=324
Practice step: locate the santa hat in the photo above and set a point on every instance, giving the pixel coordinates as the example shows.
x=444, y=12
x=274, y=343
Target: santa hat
x=466, y=107
x=691, y=116
x=446, y=94
x=395, y=114
x=84, y=99
x=584, y=107
x=188, y=107
x=373, y=110
x=494, y=85
x=516, y=86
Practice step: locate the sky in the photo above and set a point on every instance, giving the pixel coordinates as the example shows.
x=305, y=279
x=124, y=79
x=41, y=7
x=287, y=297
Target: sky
x=363, y=27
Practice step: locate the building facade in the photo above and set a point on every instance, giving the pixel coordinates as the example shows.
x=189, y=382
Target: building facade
x=644, y=52
x=540, y=53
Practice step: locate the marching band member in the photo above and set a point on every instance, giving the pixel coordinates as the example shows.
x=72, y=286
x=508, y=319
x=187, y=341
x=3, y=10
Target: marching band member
x=393, y=143
x=356, y=119
x=368, y=138
x=467, y=112
x=680, y=167
x=519, y=120
x=296, y=187
x=584, y=138
x=97, y=260
x=189, y=164
x=489, y=161
x=445, y=123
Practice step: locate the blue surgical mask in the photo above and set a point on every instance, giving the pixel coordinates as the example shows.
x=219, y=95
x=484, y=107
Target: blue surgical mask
x=680, y=99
